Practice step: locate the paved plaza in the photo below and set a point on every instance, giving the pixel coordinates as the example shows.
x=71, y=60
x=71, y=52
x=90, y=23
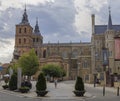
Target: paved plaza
x=62, y=92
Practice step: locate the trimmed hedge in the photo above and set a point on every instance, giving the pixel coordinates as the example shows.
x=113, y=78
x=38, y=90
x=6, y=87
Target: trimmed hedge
x=79, y=84
x=13, y=82
x=41, y=83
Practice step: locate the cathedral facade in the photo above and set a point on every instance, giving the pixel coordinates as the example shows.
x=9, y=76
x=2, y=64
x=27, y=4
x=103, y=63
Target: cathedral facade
x=90, y=60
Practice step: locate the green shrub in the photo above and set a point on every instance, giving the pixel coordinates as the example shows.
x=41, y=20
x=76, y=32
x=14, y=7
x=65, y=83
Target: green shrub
x=24, y=89
x=79, y=85
x=41, y=83
x=13, y=82
x=26, y=84
x=5, y=86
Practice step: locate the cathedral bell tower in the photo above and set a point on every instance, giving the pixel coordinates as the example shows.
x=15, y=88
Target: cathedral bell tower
x=37, y=39
x=23, y=36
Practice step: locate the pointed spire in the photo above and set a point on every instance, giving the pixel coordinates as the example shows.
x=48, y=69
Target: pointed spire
x=37, y=31
x=25, y=7
x=25, y=17
x=109, y=20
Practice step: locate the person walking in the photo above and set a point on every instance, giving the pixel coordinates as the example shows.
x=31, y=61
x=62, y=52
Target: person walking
x=55, y=82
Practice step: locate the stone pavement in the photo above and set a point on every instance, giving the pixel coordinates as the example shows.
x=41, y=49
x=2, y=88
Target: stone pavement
x=109, y=89
x=63, y=91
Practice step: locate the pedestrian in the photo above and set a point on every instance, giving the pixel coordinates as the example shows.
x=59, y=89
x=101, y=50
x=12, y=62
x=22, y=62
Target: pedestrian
x=55, y=82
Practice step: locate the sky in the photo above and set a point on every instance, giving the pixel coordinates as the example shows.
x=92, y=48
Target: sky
x=59, y=20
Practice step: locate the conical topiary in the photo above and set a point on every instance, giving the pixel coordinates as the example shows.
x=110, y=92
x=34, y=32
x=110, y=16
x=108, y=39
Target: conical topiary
x=41, y=83
x=13, y=82
x=79, y=85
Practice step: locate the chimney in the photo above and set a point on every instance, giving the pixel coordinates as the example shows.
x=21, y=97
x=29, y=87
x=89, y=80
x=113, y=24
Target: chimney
x=93, y=23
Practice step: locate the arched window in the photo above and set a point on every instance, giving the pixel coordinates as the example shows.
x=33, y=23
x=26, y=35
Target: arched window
x=24, y=40
x=64, y=54
x=19, y=41
x=36, y=39
x=25, y=30
x=19, y=30
x=85, y=64
x=44, y=54
x=74, y=54
x=33, y=39
x=36, y=52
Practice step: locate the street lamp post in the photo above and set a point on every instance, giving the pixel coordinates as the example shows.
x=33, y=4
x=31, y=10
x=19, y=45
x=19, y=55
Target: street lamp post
x=95, y=79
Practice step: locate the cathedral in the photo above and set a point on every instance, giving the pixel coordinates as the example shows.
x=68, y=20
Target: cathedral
x=95, y=60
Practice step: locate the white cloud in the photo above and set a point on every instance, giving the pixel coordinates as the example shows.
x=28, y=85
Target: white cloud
x=83, y=17
x=98, y=4
x=20, y=3
x=6, y=50
x=5, y=27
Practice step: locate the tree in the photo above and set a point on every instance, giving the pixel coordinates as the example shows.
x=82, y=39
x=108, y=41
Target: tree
x=29, y=63
x=41, y=83
x=14, y=67
x=53, y=70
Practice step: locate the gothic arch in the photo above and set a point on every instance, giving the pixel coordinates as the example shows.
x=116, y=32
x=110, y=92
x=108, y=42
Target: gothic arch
x=44, y=53
x=25, y=30
x=74, y=53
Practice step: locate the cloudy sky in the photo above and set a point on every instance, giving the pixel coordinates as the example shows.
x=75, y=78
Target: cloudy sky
x=59, y=20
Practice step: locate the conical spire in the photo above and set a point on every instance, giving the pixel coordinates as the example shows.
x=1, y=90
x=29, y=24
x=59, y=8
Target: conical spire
x=37, y=31
x=109, y=20
x=25, y=17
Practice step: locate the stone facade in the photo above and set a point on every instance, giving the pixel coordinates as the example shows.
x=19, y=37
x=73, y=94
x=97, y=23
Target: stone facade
x=84, y=58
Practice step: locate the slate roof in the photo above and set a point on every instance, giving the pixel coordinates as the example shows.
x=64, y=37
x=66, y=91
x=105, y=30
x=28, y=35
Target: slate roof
x=99, y=29
x=36, y=30
x=25, y=20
